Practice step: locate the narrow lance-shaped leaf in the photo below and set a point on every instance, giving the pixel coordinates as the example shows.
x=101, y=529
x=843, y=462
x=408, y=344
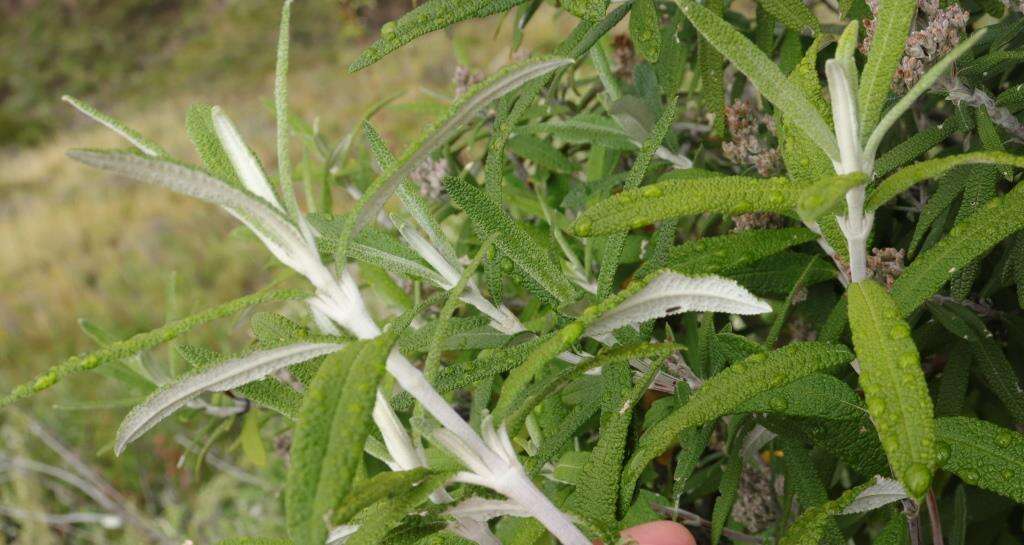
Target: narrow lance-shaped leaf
x=218, y=378
x=381, y=486
x=998, y=219
x=472, y=101
x=763, y=73
x=894, y=385
x=925, y=83
x=810, y=528
x=334, y=422
x=643, y=28
x=490, y=220
x=671, y=293
x=892, y=26
x=794, y=14
x=243, y=160
x=725, y=253
x=723, y=393
x=982, y=454
x=677, y=195
x=280, y=236
x=424, y=19
x=284, y=162
x=614, y=243
x=144, y=341
x=142, y=143
x=907, y=177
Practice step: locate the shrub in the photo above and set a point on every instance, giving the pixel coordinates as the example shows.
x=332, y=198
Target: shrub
x=614, y=318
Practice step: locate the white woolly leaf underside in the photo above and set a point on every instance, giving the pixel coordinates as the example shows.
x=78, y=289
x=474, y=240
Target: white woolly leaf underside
x=673, y=293
x=217, y=378
x=883, y=492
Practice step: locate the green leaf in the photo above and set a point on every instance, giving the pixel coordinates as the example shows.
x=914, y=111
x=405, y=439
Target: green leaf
x=927, y=80
x=728, y=490
x=284, y=163
x=514, y=413
x=726, y=253
x=385, y=515
x=764, y=74
x=892, y=26
x=794, y=14
x=810, y=528
x=591, y=10
x=597, y=489
x=825, y=194
x=382, y=486
x=907, y=177
x=585, y=128
x=252, y=444
x=541, y=153
x=711, y=68
x=982, y=454
x=140, y=142
x=998, y=219
x=644, y=28
x=777, y=274
x=143, y=341
x=511, y=239
x=914, y=146
x=424, y=19
x=724, y=392
x=988, y=360
x=614, y=243
x=327, y=447
x=676, y=195
x=894, y=385
x=466, y=107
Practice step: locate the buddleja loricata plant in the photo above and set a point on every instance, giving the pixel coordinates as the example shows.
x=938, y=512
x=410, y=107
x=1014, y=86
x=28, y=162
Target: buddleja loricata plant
x=594, y=316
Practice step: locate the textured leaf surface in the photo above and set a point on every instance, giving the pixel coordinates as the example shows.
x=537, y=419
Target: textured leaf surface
x=891, y=30
x=905, y=178
x=140, y=142
x=894, y=385
x=726, y=253
x=810, y=528
x=998, y=219
x=675, y=196
x=726, y=391
x=794, y=14
x=143, y=341
x=825, y=194
x=510, y=238
x=671, y=293
x=763, y=73
x=441, y=131
x=643, y=28
x=327, y=446
x=424, y=19
x=983, y=454
x=218, y=378
x=381, y=486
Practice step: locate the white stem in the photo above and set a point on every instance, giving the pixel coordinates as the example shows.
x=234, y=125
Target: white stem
x=856, y=226
x=557, y=522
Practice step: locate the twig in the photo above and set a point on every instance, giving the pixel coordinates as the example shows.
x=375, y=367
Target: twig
x=912, y=511
x=690, y=518
x=933, y=517
x=102, y=492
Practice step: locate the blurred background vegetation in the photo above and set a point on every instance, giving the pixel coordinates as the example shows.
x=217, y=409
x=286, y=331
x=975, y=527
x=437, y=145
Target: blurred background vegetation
x=85, y=259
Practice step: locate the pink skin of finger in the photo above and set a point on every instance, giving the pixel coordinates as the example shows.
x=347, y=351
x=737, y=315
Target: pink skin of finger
x=661, y=532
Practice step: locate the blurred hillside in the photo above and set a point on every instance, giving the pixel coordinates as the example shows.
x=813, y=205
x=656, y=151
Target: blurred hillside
x=75, y=244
